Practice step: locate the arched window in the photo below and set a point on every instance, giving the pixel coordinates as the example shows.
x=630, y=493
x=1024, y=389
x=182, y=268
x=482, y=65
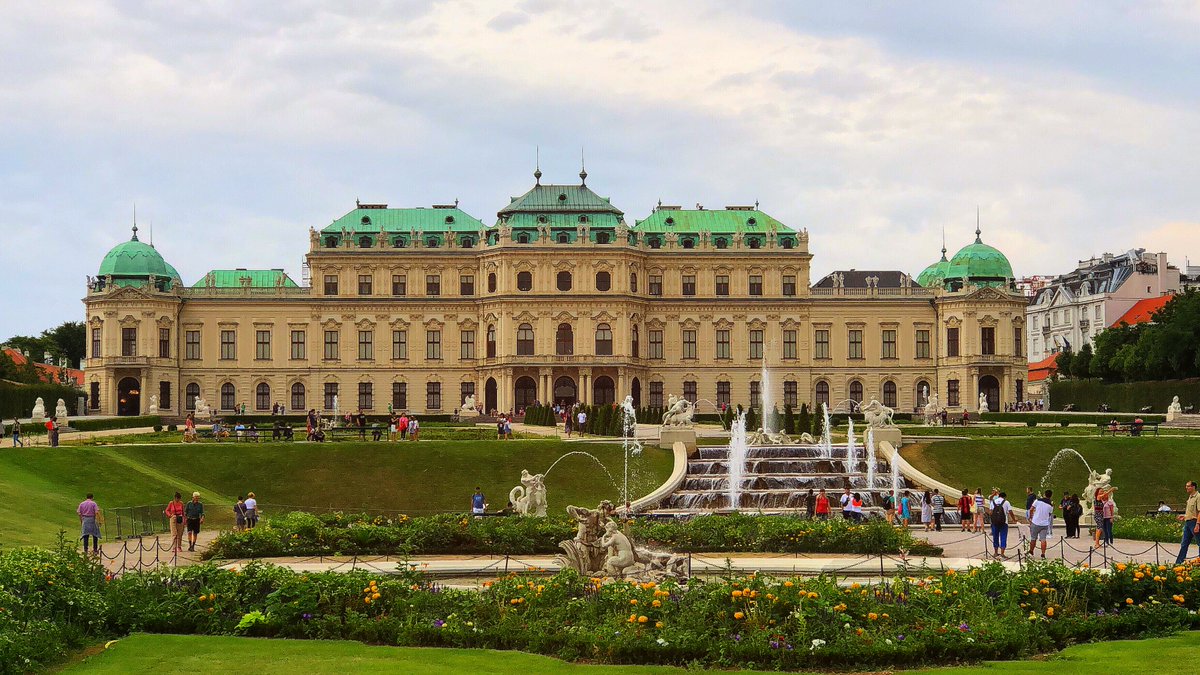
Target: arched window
x=604, y=392
x=603, y=281
x=564, y=238
x=753, y=242
x=604, y=340
x=563, y=281
x=524, y=340
x=431, y=242
x=331, y=242
x=491, y=341
x=364, y=242
x=602, y=238
x=688, y=242
x=524, y=392
x=786, y=242
x=522, y=237
x=190, y=394
x=856, y=391
x=564, y=340
x=822, y=397
x=721, y=242
x=262, y=396
x=889, y=394
x=633, y=282
x=524, y=281
x=228, y=396
x=298, y=396
x=491, y=282
x=400, y=242
x=654, y=242
x=634, y=343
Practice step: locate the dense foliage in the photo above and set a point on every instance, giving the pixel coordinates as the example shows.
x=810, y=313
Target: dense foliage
x=1169, y=347
x=1163, y=528
x=1073, y=419
x=54, y=602
x=1087, y=395
x=66, y=339
x=84, y=424
x=18, y=399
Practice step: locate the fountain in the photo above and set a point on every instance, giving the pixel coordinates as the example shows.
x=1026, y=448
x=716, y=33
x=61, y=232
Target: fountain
x=630, y=445
x=826, y=433
x=870, y=453
x=851, y=450
x=1098, y=483
x=601, y=549
x=529, y=498
x=737, y=459
x=767, y=405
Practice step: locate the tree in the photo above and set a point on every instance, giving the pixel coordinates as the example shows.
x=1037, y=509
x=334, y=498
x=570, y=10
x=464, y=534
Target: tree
x=65, y=340
x=1063, y=363
x=1081, y=362
x=789, y=419
x=804, y=421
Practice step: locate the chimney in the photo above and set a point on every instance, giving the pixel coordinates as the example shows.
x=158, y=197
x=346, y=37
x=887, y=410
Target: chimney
x=1163, y=285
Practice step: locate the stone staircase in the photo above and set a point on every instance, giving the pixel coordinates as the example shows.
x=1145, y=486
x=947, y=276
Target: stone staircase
x=1184, y=422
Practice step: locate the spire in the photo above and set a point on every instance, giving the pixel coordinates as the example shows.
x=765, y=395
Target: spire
x=134, y=222
x=977, y=239
x=943, y=243
x=537, y=165
x=582, y=168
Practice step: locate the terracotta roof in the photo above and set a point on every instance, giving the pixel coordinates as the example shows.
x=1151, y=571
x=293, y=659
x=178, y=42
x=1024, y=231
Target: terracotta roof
x=49, y=372
x=1043, y=369
x=1142, y=311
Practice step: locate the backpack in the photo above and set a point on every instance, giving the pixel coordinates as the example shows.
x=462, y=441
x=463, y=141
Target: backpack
x=998, y=515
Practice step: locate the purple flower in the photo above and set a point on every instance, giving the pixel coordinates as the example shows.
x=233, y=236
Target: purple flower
x=900, y=638
x=964, y=627
x=774, y=644
x=438, y=623
x=306, y=616
x=737, y=637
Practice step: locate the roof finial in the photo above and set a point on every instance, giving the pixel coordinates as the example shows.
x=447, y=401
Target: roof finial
x=151, y=233
x=537, y=165
x=582, y=168
x=977, y=239
x=134, y=222
x=943, y=242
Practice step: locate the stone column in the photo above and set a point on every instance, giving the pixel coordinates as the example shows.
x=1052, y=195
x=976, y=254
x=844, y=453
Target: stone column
x=621, y=391
x=974, y=400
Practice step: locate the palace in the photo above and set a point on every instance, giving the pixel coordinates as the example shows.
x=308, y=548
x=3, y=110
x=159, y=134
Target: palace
x=559, y=300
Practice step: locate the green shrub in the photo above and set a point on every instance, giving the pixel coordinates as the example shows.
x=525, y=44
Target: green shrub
x=172, y=427
x=85, y=424
x=1064, y=423
x=1030, y=423
x=1048, y=417
x=1130, y=397
x=16, y=400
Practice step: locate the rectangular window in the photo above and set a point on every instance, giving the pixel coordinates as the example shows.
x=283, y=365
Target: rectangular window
x=789, y=285
x=466, y=342
x=689, y=343
x=656, y=344
x=366, y=396
x=94, y=396
x=756, y=343
x=95, y=343
x=952, y=392
x=331, y=346
x=399, y=284
x=399, y=396
x=262, y=344
x=466, y=284
x=128, y=342
x=854, y=346
x=689, y=390
x=821, y=343
x=1017, y=346
x=789, y=344
x=951, y=342
x=164, y=395
x=655, y=284
x=399, y=344
x=987, y=340
x=331, y=284
x=365, y=283
x=723, y=394
x=656, y=394
x=191, y=344
x=298, y=344
x=922, y=343
x=889, y=344
x=756, y=395
x=791, y=393
x=464, y=390
x=366, y=345
x=228, y=345
x=433, y=284
x=689, y=284
x=755, y=284
x=433, y=345
x=433, y=395
x=331, y=392
x=1020, y=390
x=164, y=343
x=723, y=344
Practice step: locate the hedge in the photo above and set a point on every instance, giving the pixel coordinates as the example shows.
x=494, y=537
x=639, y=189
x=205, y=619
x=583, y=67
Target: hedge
x=104, y=424
x=16, y=400
x=1087, y=395
x=1058, y=418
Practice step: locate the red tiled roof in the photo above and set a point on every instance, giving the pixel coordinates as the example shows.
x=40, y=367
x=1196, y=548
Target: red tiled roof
x=1142, y=310
x=1043, y=369
x=49, y=372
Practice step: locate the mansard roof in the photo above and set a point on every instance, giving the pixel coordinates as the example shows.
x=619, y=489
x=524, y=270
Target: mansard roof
x=730, y=220
x=258, y=278
x=371, y=218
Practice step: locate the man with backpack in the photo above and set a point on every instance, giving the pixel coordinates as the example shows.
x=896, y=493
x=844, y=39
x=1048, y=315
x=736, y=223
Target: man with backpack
x=1000, y=513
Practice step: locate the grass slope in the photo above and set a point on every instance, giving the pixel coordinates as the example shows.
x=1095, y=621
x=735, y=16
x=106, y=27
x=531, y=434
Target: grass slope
x=1145, y=470
x=196, y=654
x=41, y=487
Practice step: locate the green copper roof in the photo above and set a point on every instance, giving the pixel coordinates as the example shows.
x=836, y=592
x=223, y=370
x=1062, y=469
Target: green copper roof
x=258, y=279
x=934, y=274
x=978, y=262
x=559, y=198
x=135, y=259
x=729, y=221
x=372, y=220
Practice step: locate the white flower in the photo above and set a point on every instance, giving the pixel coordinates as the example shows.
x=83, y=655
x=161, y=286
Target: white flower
x=889, y=641
x=817, y=644
x=662, y=642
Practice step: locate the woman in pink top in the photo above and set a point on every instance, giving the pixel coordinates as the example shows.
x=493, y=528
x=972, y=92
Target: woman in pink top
x=87, y=521
x=174, y=514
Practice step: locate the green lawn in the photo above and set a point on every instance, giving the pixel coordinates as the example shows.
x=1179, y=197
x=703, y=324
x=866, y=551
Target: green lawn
x=1145, y=470
x=41, y=487
x=195, y=654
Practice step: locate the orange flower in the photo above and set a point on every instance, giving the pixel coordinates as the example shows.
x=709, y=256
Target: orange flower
x=643, y=619
x=739, y=616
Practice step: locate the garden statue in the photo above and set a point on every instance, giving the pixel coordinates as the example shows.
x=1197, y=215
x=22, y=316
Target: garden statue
x=878, y=415
x=931, y=410
x=679, y=412
x=600, y=549
x=807, y=438
x=1174, y=410
x=336, y=409
x=468, y=408
x=39, y=410
x=983, y=403
x=203, y=412
x=529, y=498
x=763, y=437
x=618, y=550
x=1099, y=484
x=60, y=413
x=153, y=409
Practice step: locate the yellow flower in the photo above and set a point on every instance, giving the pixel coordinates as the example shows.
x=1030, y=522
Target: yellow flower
x=739, y=616
x=872, y=616
x=658, y=624
x=1129, y=601
x=203, y=597
x=657, y=603
x=812, y=595
x=1049, y=611
x=1121, y=567
x=374, y=596
x=736, y=594
x=367, y=600
x=212, y=596
x=210, y=610
x=633, y=601
x=788, y=584
x=514, y=601
x=643, y=619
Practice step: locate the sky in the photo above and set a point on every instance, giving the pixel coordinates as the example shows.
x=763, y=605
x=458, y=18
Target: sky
x=1072, y=127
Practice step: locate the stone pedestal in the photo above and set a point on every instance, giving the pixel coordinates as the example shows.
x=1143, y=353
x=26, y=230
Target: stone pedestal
x=468, y=413
x=669, y=435
x=890, y=434
x=1172, y=415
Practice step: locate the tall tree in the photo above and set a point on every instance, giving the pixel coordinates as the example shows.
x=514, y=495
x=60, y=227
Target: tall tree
x=1081, y=362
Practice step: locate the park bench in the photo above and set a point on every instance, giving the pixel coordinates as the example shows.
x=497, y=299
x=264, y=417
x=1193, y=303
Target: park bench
x=1127, y=428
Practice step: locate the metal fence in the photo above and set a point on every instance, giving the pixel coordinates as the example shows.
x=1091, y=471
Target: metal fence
x=128, y=522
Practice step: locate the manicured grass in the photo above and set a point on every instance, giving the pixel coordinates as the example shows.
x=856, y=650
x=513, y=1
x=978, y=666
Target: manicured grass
x=42, y=487
x=195, y=654
x=1145, y=470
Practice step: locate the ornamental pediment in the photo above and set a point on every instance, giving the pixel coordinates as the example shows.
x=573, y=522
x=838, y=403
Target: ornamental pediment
x=398, y=324
x=127, y=293
x=604, y=316
x=524, y=316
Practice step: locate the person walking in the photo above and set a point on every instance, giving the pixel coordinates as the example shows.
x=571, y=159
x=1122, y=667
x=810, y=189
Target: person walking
x=361, y=421
x=251, y=510
x=1071, y=516
x=478, y=502
x=856, y=507
x=16, y=433
x=508, y=434
x=978, y=514
x=193, y=513
x=905, y=509
x=1001, y=511
x=581, y=419
x=89, y=527
x=174, y=514
x=822, y=505
x=810, y=504
x=889, y=508
x=844, y=502
x=414, y=429
x=1041, y=517
x=1109, y=513
x=965, y=504
x=52, y=431
x=568, y=422
x=239, y=514
x=937, y=504
x=1190, y=520
x=927, y=510
x=404, y=426
x=1098, y=519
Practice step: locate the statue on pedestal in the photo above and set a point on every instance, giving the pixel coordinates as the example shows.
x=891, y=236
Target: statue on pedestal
x=1175, y=409
x=468, y=408
x=679, y=412
x=60, y=413
x=983, y=403
x=601, y=549
x=529, y=498
x=153, y=409
x=203, y=411
x=931, y=410
x=878, y=415
x=39, y=410
x=337, y=409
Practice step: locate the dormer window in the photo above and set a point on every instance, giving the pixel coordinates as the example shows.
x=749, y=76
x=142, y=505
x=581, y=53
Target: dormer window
x=366, y=220
x=670, y=220
x=751, y=222
x=602, y=238
x=432, y=242
x=583, y=219
x=449, y=220
x=786, y=242
x=400, y=242
x=331, y=242
x=654, y=242
x=564, y=238
x=754, y=243
x=466, y=242
x=721, y=242
x=688, y=242
x=562, y=196
x=364, y=242
x=542, y=219
x=523, y=238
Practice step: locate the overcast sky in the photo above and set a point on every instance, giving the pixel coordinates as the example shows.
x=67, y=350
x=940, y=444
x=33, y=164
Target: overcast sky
x=234, y=126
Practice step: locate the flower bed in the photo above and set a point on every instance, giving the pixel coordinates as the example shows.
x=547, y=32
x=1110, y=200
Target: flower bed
x=339, y=534
x=56, y=601
x=1163, y=528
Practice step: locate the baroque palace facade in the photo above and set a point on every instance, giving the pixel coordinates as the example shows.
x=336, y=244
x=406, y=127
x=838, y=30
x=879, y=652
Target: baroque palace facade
x=559, y=300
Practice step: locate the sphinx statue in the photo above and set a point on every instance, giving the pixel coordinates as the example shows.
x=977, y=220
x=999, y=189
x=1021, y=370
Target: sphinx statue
x=60, y=413
x=203, y=411
x=39, y=410
x=153, y=409
x=468, y=408
x=529, y=498
x=931, y=410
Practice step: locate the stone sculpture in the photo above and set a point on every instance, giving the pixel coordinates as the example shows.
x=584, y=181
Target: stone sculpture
x=931, y=410
x=878, y=415
x=336, y=409
x=763, y=437
x=618, y=550
x=601, y=549
x=1175, y=409
x=468, y=407
x=529, y=498
x=203, y=411
x=1099, y=484
x=679, y=412
x=153, y=409
x=60, y=413
x=39, y=410
x=983, y=403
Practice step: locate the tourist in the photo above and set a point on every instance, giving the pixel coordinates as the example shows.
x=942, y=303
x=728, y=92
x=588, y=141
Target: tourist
x=937, y=504
x=889, y=508
x=16, y=433
x=508, y=434
x=965, y=504
x=978, y=512
x=1191, y=522
x=810, y=504
x=844, y=502
x=404, y=426
x=905, y=510
x=567, y=423
x=1071, y=515
x=251, y=510
x=361, y=421
x=1001, y=513
x=927, y=510
x=500, y=428
x=1110, y=512
x=1163, y=508
x=856, y=506
x=193, y=512
x=392, y=422
x=1097, y=519
x=174, y=514
x=478, y=502
x=1030, y=497
x=1041, y=517
x=239, y=514
x=581, y=419
x=414, y=428
x=822, y=504
x=189, y=428
x=88, y=512
x=376, y=432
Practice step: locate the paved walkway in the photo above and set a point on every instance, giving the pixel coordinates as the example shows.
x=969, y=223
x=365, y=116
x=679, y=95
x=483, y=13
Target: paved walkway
x=150, y=552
